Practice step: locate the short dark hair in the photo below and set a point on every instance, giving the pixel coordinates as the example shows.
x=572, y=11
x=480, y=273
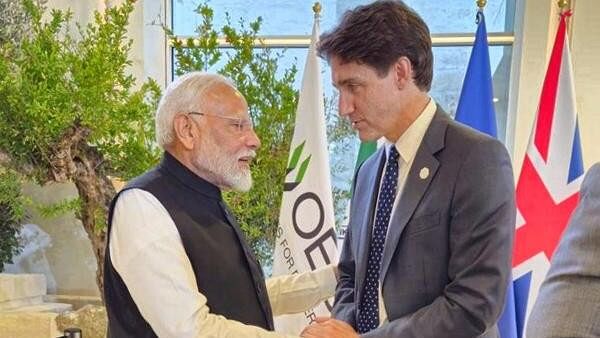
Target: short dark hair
x=377, y=35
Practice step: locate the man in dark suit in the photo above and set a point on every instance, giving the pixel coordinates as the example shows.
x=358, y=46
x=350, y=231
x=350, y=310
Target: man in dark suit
x=568, y=304
x=428, y=248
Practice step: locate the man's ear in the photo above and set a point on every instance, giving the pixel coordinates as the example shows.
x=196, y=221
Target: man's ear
x=402, y=69
x=183, y=131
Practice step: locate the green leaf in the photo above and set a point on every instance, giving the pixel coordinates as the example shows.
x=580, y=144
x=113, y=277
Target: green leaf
x=296, y=156
x=302, y=170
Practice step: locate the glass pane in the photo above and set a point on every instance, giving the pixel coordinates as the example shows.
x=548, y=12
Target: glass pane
x=450, y=65
x=456, y=16
x=282, y=17
x=294, y=17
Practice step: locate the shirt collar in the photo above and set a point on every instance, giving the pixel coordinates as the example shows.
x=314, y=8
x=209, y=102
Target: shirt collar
x=408, y=143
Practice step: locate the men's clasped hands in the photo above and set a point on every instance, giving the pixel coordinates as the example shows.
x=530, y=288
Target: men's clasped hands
x=328, y=327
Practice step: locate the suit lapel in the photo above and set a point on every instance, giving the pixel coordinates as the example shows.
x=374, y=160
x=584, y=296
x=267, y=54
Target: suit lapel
x=416, y=185
x=366, y=200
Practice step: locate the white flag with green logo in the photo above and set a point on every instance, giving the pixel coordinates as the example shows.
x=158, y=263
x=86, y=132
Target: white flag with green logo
x=306, y=238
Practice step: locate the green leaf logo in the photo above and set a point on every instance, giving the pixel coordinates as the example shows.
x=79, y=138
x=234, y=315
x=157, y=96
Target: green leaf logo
x=294, y=160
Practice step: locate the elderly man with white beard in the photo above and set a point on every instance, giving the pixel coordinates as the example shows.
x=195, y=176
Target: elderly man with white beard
x=177, y=263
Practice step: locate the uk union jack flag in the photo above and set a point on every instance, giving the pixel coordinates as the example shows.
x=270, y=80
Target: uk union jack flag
x=548, y=186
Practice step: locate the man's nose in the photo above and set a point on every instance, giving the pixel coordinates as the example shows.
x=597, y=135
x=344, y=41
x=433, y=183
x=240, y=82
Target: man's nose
x=252, y=140
x=345, y=105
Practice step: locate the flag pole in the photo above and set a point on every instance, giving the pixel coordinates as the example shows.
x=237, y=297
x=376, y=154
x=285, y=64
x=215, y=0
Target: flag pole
x=307, y=192
x=564, y=9
x=317, y=10
x=563, y=5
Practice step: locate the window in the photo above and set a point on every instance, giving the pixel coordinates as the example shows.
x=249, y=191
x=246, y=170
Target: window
x=291, y=21
x=294, y=17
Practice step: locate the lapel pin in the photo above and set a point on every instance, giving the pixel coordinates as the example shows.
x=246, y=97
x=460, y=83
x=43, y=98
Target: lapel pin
x=424, y=173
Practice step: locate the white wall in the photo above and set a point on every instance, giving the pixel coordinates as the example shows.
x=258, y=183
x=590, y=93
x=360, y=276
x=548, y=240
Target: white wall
x=586, y=65
x=59, y=247
x=148, y=51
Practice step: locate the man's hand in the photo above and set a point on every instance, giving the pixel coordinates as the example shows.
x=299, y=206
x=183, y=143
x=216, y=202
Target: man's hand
x=329, y=327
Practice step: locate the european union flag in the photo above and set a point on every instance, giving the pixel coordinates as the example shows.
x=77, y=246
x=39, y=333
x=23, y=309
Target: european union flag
x=476, y=109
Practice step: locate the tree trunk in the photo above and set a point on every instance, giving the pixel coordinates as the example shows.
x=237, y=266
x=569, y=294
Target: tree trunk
x=75, y=160
x=96, y=192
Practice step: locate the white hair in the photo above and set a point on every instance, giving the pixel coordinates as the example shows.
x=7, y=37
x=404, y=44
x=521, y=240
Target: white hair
x=183, y=95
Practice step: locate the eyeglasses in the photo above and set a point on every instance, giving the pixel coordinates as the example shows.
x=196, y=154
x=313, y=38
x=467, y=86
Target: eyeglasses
x=238, y=124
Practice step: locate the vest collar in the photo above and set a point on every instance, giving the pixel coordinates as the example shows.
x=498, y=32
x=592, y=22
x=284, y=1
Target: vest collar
x=171, y=165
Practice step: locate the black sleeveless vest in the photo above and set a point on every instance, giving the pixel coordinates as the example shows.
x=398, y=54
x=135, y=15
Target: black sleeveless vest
x=227, y=272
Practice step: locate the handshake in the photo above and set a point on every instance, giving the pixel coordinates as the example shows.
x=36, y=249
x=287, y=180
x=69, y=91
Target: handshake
x=328, y=327
x=290, y=294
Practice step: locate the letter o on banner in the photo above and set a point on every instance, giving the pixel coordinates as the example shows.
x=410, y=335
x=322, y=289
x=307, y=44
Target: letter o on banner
x=308, y=196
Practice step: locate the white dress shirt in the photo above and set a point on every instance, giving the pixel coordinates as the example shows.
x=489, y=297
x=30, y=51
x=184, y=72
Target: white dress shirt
x=147, y=252
x=407, y=146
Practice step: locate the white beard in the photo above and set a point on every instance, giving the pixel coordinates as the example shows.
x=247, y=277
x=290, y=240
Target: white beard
x=224, y=168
